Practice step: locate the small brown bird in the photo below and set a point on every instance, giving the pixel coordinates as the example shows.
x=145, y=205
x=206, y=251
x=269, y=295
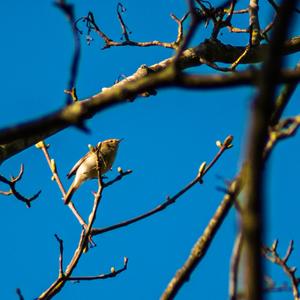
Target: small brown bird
x=86, y=167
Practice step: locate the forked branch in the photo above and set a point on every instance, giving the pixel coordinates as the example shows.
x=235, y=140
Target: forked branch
x=13, y=191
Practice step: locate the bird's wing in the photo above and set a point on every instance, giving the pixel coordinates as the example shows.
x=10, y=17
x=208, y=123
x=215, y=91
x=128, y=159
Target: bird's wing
x=76, y=166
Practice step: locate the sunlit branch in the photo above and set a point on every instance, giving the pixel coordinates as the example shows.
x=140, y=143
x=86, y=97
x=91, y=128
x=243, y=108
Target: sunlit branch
x=171, y=200
x=202, y=245
x=59, y=283
x=52, y=165
x=17, y=138
x=113, y=273
x=254, y=22
x=108, y=42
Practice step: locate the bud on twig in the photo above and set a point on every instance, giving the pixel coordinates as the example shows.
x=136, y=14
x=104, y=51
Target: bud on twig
x=53, y=166
x=202, y=168
x=219, y=144
x=227, y=142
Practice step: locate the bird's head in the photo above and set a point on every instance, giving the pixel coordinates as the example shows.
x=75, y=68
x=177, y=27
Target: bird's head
x=111, y=143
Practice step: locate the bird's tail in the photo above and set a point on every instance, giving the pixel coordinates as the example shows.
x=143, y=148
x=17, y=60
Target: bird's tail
x=70, y=193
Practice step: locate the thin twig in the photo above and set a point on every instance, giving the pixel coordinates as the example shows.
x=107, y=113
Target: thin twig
x=180, y=27
x=239, y=59
x=254, y=22
x=19, y=293
x=195, y=22
x=121, y=9
x=237, y=30
x=113, y=273
x=41, y=145
x=13, y=191
x=268, y=28
x=241, y=11
x=61, y=255
x=68, y=10
x=234, y=267
x=230, y=12
x=170, y=200
x=280, y=288
x=108, y=42
x=285, y=128
x=117, y=178
x=274, y=5
x=283, y=98
x=272, y=255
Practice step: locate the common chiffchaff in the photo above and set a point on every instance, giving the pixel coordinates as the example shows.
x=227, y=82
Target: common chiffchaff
x=86, y=167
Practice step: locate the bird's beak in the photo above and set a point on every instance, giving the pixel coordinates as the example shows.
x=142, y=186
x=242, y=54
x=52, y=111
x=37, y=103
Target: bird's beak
x=120, y=140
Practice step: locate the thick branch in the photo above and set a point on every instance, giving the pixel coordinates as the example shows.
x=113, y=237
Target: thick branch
x=253, y=213
x=202, y=245
x=17, y=138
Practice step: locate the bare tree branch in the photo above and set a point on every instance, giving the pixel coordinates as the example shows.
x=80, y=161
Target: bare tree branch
x=113, y=273
x=58, y=284
x=13, y=191
x=266, y=131
x=17, y=138
x=52, y=165
x=254, y=22
x=92, y=25
x=118, y=178
x=19, y=293
x=171, y=200
x=61, y=255
x=68, y=10
x=272, y=255
x=284, y=129
x=234, y=267
x=283, y=99
x=202, y=245
x=253, y=214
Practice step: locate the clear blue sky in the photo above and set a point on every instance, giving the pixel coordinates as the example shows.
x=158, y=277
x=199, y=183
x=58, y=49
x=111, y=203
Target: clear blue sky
x=166, y=137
